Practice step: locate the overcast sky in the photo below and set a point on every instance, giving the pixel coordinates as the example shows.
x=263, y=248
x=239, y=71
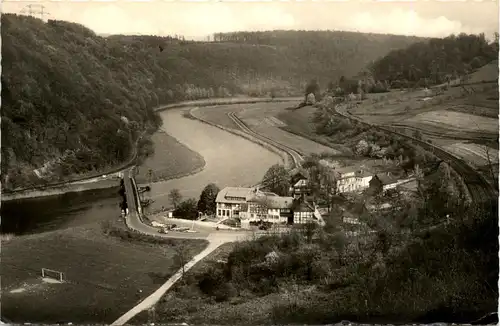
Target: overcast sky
x=201, y=18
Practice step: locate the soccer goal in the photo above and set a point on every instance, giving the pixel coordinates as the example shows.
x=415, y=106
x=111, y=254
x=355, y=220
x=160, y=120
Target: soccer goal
x=52, y=274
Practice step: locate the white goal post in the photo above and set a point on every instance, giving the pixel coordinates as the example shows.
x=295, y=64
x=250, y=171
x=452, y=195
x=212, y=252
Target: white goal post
x=50, y=273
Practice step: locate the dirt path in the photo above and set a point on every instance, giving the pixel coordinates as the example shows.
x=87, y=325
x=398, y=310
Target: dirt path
x=158, y=294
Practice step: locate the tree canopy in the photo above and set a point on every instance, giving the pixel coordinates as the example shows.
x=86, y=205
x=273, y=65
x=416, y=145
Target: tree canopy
x=207, y=204
x=436, y=60
x=277, y=180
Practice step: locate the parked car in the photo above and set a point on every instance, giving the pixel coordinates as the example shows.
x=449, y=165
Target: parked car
x=163, y=230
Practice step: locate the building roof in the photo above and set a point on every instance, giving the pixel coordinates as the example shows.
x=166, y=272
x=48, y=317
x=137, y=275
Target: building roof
x=302, y=206
x=386, y=178
x=299, y=172
x=273, y=201
x=246, y=193
x=301, y=183
x=280, y=202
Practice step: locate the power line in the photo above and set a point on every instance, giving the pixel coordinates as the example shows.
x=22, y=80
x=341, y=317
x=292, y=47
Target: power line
x=35, y=10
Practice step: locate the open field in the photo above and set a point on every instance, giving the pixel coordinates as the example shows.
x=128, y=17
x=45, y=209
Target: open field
x=265, y=119
x=486, y=73
x=171, y=159
x=394, y=107
x=453, y=121
x=473, y=153
x=299, y=122
x=218, y=114
x=479, y=109
x=104, y=275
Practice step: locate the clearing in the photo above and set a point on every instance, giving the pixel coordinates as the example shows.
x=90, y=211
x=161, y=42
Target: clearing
x=104, y=276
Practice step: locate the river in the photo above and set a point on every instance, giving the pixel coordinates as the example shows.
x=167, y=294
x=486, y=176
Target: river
x=230, y=161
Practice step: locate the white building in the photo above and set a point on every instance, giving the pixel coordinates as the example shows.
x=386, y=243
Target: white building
x=349, y=179
x=353, y=181
x=230, y=200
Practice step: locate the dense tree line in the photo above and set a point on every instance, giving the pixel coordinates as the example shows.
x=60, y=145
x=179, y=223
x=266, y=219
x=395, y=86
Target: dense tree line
x=325, y=55
x=75, y=102
x=435, y=61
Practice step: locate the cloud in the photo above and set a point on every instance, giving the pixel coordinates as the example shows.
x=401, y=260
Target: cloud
x=406, y=22
x=112, y=19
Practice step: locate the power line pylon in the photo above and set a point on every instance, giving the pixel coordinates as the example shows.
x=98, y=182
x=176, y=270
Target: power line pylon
x=35, y=10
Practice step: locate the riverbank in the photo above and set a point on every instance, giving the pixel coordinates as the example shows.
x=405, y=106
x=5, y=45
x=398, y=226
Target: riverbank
x=95, y=182
x=171, y=160
x=104, y=183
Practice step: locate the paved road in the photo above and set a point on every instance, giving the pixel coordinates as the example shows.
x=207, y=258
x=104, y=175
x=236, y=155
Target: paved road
x=215, y=239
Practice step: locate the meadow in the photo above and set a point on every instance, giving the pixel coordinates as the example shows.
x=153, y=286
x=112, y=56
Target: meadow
x=473, y=153
x=453, y=120
x=170, y=159
x=104, y=275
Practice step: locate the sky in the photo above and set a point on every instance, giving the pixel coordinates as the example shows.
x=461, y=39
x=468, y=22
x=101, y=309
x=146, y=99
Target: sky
x=199, y=19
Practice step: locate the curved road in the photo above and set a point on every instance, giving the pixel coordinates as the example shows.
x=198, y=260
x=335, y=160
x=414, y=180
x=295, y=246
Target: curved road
x=215, y=238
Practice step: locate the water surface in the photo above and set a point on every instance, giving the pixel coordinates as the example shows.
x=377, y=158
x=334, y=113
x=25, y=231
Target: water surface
x=230, y=161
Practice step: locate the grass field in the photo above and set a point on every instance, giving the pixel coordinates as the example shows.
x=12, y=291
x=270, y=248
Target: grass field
x=170, y=159
x=473, y=153
x=264, y=118
x=267, y=119
x=397, y=106
x=487, y=72
x=218, y=114
x=454, y=120
x=483, y=110
x=104, y=275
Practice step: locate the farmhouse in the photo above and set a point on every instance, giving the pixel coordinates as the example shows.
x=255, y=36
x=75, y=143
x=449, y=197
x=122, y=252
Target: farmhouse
x=267, y=207
x=305, y=212
x=299, y=183
x=351, y=179
x=386, y=181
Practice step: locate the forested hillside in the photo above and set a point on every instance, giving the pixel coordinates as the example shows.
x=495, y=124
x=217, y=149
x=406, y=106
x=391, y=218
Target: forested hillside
x=435, y=61
x=74, y=102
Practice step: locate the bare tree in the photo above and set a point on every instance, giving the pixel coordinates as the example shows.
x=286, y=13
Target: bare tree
x=181, y=257
x=175, y=197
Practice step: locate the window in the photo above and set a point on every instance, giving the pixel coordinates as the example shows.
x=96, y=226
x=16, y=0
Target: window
x=219, y=212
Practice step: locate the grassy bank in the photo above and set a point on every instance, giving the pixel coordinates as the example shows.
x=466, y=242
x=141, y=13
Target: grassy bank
x=171, y=159
x=105, y=274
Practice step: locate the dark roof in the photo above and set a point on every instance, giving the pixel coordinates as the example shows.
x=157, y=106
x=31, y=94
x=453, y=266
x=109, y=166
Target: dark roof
x=299, y=172
x=302, y=206
x=280, y=202
x=386, y=179
x=273, y=201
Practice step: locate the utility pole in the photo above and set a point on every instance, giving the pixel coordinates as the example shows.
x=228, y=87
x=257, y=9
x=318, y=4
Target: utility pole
x=34, y=10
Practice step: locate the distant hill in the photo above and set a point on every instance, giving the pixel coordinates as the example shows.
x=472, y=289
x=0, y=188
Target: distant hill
x=74, y=102
x=435, y=61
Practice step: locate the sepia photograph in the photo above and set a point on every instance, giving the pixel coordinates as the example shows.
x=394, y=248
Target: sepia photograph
x=249, y=162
